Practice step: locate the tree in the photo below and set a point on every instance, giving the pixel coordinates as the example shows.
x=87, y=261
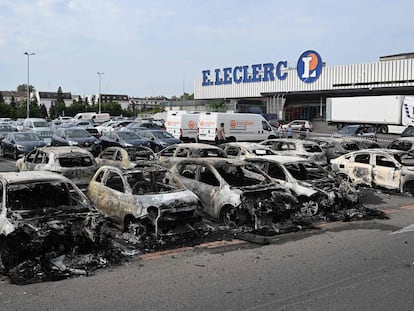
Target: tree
x=23, y=88
x=59, y=96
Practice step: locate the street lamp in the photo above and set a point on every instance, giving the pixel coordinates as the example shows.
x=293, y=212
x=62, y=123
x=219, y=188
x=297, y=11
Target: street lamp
x=99, y=95
x=28, y=91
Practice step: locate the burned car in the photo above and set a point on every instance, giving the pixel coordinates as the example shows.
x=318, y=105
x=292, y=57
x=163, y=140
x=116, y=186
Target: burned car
x=175, y=153
x=318, y=191
x=382, y=168
x=146, y=200
x=235, y=192
x=75, y=163
x=242, y=150
x=125, y=157
x=297, y=147
x=48, y=229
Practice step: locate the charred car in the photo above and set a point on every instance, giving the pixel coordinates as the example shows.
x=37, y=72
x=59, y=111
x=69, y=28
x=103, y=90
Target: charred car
x=235, y=192
x=146, y=200
x=175, y=153
x=381, y=168
x=48, y=229
x=318, y=191
x=75, y=163
x=125, y=157
x=242, y=150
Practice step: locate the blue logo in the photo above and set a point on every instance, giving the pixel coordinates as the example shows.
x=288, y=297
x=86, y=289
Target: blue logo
x=309, y=66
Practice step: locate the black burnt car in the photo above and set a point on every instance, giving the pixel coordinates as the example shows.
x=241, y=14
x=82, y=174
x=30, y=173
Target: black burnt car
x=124, y=139
x=75, y=136
x=48, y=228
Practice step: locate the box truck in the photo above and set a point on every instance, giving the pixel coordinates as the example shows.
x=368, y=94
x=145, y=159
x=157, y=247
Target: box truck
x=182, y=125
x=387, y=113
x=237, y=127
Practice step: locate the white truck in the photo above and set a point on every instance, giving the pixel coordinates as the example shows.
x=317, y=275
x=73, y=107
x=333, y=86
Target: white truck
x=182, y=125
x=237, y=127
x=388, y=113
x=96, y=118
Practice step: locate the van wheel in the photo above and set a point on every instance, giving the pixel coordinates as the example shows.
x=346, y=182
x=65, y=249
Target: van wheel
x=383, y=129
x=231, y=139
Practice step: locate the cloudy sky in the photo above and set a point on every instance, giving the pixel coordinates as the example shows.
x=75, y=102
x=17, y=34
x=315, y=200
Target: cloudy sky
x=160, y=47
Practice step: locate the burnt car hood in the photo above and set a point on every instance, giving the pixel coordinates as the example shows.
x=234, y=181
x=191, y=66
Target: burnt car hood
x=178, y=200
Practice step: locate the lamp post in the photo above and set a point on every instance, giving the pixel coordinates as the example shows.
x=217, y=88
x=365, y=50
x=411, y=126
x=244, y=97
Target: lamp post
x=28, y=91
x=99, y=95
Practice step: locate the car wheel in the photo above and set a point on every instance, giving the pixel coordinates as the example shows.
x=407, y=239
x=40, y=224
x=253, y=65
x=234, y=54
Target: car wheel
x=232, y=216
x=309, y=208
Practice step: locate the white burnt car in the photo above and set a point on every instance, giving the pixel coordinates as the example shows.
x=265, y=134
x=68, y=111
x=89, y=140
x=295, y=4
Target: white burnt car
x=73, y=162
x=242, y=150
x=235, y=192
x=147, y=198
x=299, y=148
x=175, y=153
x=381, y=168
x=318, y=190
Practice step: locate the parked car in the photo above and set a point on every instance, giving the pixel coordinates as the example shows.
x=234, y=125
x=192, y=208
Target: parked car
x=382, y=168
x=296, y=125
x=297, y=147
x=242, y=150
x=357, y=130
x=76, y=136
x=124, y=139
x=93, y=131
x=161, y=139
x=73, y=162
x=317, y=189
x=175, y=153
x=235, y=192
x=403, y=143
x=16, y=144
x=334, y=146
x=112, y=125
x=148, y=198
x=125, y=157
x=408, y=132
x=6, y=128
x=366, y=143
x=44, y=216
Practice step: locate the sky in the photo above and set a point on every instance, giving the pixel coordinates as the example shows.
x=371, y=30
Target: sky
x=150, y=48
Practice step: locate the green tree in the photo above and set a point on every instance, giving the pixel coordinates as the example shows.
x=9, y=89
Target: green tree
x=23, y=88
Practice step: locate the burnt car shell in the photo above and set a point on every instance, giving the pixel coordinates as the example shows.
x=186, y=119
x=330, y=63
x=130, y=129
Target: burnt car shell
x=147, y=197
x=235, y=192
x=44, y=215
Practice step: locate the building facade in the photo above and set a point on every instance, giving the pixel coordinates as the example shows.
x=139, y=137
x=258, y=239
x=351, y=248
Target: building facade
x=288, y=93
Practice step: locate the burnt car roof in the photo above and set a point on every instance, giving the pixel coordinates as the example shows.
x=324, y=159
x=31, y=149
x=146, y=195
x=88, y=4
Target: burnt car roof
x=278, y=158
x=31, y=176
x=64, y=149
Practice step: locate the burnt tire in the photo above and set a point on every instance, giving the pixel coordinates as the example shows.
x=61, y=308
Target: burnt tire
x=232, y=216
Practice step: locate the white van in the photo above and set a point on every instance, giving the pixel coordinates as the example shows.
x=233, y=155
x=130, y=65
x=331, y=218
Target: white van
x=182, y=125
x=237, y=127
x=96, y=118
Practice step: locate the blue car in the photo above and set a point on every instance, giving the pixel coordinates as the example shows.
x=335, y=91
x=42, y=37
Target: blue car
x=16, y=144
x=124, y=139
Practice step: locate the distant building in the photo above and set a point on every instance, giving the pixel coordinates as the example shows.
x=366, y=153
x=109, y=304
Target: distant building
x=138, y=104
x=14, y=96
x=49, y=98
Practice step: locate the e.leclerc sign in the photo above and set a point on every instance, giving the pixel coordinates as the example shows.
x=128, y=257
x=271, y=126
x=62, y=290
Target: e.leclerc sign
x=309, y=68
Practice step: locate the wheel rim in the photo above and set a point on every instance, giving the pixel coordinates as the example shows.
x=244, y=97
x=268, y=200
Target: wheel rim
x=309, y=208
x=231, y=217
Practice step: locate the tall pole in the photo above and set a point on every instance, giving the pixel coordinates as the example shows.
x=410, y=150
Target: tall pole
x=28, y=91
x=99, y=95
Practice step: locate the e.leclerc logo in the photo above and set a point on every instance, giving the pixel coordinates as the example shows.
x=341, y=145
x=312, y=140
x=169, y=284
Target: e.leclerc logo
x=309, y=66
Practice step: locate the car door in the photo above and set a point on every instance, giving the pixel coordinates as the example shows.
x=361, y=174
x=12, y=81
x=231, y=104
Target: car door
x=27, y=163
x=109, y=195
x=386, y=172
x=360, y=169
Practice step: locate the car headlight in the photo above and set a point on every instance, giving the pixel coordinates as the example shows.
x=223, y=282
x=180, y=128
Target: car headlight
x=20, y=147
x=73, y=143
x=163, y=143
x=128, y=145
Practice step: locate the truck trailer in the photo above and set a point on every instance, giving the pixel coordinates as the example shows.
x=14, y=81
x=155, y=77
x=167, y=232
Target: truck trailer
x=387, y=113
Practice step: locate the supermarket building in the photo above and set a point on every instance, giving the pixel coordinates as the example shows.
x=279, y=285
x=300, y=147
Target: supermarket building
x=287, y=93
